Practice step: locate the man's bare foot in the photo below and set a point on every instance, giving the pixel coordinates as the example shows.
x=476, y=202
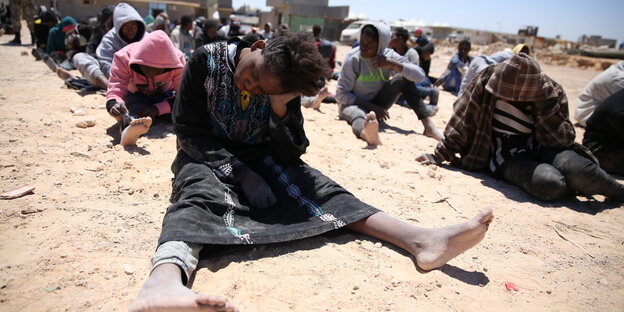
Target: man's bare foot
x=370, y=133
x=62, y=73
x=431, y=130
x=442, y=245
x=319, y=98
x=137, y=127
x=163, y=291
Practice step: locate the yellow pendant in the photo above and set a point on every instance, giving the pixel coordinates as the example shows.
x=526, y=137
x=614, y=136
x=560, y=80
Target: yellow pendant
x=245, y=98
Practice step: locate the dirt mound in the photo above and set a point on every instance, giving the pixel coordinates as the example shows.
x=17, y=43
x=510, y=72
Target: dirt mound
x=576, y=61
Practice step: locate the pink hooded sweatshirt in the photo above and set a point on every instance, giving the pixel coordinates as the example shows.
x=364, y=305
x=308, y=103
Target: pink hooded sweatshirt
x=155, y=50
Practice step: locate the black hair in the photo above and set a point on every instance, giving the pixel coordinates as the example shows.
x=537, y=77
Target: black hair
x=49, y=17
x=401, y=33
x=294, y=58
x=209, y=24
x=186, y=19
x=316, y=30
x=250, y=38
x=371, y=31
x=466, y=42
x=84, y=30
x=103, y=15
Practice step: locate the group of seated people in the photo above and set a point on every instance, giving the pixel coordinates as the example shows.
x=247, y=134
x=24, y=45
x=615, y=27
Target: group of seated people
x=236, y=110
x=142, y=72
x=139, y=64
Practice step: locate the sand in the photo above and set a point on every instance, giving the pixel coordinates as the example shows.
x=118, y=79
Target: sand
x=83, y=240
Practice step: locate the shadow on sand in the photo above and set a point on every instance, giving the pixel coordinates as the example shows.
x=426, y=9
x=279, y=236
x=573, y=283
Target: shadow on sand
x=217, y=257
x=582, y=204
x=384, y=126
x=161, y=128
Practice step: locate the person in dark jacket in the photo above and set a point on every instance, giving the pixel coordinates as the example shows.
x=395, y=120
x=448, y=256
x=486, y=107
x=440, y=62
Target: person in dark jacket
x=604, y=134
x=105, y=23
x=56, y=36
x=239, y=179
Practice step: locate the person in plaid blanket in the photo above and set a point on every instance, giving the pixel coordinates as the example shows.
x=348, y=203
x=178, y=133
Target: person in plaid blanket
x=512, y=121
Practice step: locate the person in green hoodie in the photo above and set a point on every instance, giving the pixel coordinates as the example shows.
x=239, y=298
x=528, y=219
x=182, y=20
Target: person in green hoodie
x=372, y=78
x=56, y=36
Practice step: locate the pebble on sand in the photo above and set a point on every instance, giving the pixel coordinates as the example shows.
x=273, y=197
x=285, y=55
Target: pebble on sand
x=85, y=123
x=128, y=269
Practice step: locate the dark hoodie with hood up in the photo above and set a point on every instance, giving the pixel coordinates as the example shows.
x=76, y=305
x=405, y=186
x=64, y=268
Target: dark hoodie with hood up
x=56, y=37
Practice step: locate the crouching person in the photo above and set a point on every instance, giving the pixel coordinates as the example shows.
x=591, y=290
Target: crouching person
x=513, y=121
x=144, y=79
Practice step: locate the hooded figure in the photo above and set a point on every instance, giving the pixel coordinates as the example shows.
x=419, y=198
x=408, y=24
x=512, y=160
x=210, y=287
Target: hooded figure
x=113, y=41
x=56, y=37
x=371, y=80
x=359, y=79
x=157, y=51
x=512, y=121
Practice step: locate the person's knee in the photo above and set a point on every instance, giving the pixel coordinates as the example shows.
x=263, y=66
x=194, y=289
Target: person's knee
x=547, y=183
x=580, y=172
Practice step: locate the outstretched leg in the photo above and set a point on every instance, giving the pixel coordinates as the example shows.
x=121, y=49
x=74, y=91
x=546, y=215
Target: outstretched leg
x=370, y=131
x=137, y=127
x=583, y=175
x=63, y=73
x=432, y=248
x=164, y=291
x=314, y=102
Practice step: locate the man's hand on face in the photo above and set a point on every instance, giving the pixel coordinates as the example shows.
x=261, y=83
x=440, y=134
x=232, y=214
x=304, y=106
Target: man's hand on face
x=381, y=61
x=117, y=110
x=278, y=102
x=257, y=190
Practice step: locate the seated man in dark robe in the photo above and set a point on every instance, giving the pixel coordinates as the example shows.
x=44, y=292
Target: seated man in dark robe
x=238, y=178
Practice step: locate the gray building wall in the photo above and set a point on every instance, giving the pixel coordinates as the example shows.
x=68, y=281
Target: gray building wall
x=303, y=14
x=175, y=9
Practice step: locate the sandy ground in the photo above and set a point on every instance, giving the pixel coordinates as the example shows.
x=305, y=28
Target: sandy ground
x=83, y=240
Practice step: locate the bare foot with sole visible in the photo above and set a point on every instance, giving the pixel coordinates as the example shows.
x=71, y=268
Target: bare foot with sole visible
x=448, y=242
x=431, y=130
x=137, y=127
x=62, y=73
x=319, y=98
x=163, y=291
x=370, y=133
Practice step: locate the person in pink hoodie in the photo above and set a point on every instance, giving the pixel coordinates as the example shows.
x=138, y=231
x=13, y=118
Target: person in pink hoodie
x=144, y=79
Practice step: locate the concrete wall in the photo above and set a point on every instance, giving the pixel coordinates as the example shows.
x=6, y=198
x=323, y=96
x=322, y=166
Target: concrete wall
x=80, y=11
x=301, y=15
